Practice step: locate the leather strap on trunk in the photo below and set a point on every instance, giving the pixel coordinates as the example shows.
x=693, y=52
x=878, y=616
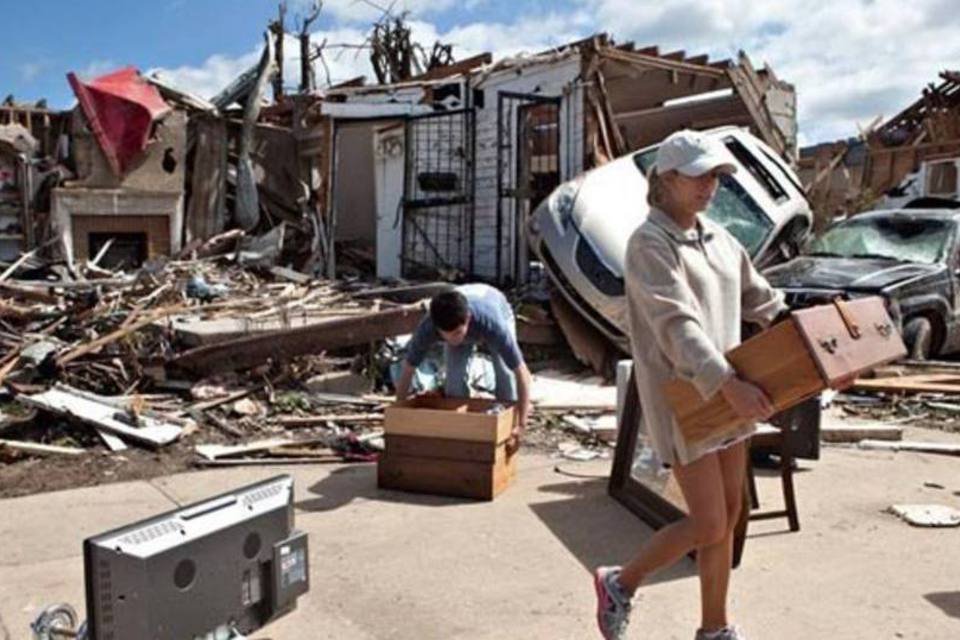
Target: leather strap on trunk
x=852, y=327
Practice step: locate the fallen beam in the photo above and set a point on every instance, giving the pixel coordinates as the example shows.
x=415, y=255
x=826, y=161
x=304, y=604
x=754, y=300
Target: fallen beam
x=301, y=422
x=217, y=451
x=919, y=447
x=278, y=346
x=37, y=449
x=848, y=434
x=929, y=383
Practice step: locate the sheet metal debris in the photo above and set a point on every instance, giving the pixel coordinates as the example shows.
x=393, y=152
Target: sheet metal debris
x=927, y=515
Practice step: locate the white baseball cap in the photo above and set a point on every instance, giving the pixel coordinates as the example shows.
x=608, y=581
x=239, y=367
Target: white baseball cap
x=692, y=154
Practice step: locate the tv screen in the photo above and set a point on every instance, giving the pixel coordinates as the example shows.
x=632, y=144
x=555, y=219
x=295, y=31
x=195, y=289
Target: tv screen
x=232, y=562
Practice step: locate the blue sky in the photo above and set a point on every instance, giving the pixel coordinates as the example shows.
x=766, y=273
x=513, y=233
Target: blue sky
x=851, y=60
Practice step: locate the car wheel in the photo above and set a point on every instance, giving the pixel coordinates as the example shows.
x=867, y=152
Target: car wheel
x=918, y=335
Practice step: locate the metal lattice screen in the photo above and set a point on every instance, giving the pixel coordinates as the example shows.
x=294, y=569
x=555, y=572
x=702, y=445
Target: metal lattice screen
x=439, y=194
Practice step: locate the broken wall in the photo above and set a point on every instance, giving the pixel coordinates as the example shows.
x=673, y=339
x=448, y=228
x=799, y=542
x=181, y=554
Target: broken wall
x=277, y=170
x=206, y=200
x=652, y=95
x=159, y=168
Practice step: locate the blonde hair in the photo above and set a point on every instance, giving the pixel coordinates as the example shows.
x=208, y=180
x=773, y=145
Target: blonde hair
x=655, y=188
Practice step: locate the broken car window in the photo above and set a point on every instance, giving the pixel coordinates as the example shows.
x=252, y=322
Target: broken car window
x=733, y=208
x=897, y=237
x=756, y=169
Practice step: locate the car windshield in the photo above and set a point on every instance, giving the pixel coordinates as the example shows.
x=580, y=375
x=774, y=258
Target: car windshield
x=732, y=207
x=899, y=237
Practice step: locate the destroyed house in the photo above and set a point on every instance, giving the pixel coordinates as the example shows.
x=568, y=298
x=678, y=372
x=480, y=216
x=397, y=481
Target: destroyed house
x=924, y=138
x=437, y=175
x=128, y=148
x=915, y=154
x=28, y=135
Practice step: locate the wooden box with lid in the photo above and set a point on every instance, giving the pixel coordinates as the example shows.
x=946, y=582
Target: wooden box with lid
x=814, y=349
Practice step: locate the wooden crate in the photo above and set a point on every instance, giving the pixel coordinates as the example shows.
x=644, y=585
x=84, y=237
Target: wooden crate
x=447, y=446
x=792, y=361
x=450, y=418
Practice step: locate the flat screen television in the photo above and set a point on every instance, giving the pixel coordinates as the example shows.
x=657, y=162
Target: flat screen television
x=230, y=563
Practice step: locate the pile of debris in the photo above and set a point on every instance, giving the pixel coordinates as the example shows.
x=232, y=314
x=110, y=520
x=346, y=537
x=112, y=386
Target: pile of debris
x=918, y=393
x=180, y=347
x=205, y=361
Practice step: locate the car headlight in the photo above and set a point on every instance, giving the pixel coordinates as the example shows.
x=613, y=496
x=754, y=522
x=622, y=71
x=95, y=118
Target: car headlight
x=562, y=201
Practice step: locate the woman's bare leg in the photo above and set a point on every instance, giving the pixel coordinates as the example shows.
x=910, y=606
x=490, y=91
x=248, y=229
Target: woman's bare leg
x=706, y=523
x=714, y=561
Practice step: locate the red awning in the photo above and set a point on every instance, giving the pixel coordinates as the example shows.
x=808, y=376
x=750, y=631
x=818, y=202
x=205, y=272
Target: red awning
x=121, y=108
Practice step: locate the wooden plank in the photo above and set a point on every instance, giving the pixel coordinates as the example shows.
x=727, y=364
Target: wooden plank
x=113, y=442
x=450, y=418
x=265, y=462
x=35, y=448
x=475, y=480
x=920, y=447
x=300, y=422
x=443, y=448
x=857, y=432
x=216, y=451
x=17, y=264
x=282, y=345
x=931, y=383
x=291, y=275
x=122, y=332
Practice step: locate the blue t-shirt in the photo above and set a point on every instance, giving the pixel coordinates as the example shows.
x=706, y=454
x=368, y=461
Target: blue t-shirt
x=491, y=323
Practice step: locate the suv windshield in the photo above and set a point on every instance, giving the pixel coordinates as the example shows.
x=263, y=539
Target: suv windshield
x=897, y=237
x=732, y=207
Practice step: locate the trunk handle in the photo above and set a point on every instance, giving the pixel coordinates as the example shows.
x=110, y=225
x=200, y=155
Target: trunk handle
x=852, y=327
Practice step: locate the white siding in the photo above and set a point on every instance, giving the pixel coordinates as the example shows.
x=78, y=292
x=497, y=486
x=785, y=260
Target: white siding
x=549, y=79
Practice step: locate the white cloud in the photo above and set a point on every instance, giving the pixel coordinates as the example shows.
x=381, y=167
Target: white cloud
x=850, y=60
x=369, y=11
x=211, y=77
x=29, y=71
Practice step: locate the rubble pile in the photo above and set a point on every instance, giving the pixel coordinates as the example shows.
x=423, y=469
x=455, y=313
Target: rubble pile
x=203, y=361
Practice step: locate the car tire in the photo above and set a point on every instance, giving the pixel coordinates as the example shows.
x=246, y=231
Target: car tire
x=918, y=336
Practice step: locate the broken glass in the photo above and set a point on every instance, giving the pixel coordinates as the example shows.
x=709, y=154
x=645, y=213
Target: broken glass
x=898, y=237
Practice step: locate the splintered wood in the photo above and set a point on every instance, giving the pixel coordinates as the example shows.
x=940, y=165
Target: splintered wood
x=924, y=383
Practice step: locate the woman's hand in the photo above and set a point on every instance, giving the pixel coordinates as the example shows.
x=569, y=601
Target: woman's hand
x=748, y=400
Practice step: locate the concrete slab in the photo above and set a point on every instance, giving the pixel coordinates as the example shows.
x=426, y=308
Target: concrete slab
x=394, y=566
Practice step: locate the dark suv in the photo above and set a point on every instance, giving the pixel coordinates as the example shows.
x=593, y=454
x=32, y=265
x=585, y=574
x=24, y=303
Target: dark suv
x=908, y=256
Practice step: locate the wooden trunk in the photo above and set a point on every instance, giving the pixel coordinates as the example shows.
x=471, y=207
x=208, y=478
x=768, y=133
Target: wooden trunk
x=448, y=446
x=794, y=360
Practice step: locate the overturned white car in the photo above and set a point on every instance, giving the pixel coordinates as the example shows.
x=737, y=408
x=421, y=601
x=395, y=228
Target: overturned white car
x=580, y=232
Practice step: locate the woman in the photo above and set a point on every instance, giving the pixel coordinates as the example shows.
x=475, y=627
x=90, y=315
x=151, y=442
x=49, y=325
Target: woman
x=689, y=285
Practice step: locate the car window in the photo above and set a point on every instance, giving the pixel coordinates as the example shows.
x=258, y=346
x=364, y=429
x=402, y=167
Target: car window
x=645, y=160
x=784, y=171
x=757, y=169
x=897, y=237
x=734, y=209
